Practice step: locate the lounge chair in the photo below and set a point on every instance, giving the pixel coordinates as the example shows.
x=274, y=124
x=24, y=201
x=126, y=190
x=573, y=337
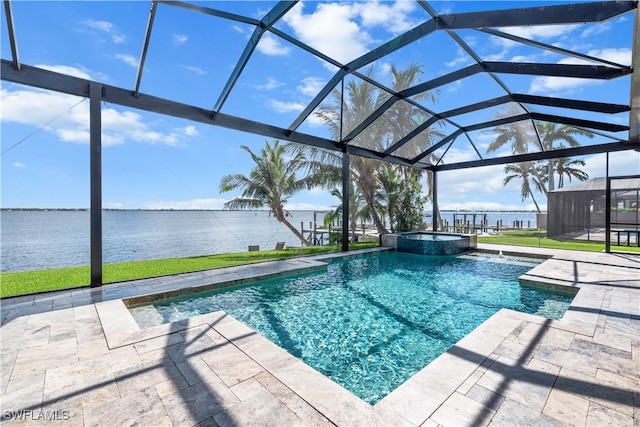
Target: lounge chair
x=279, y=246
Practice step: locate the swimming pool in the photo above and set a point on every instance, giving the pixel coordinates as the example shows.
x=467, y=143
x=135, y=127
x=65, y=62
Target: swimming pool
x=371, y=322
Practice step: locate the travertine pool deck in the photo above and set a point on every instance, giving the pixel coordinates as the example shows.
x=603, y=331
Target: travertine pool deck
x=77, y=358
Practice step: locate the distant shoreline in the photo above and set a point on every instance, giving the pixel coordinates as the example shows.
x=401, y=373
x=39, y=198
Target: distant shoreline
x=151, y=210
x=477, y=212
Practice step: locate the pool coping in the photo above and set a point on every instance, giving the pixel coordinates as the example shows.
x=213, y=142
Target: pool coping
x=414, y=401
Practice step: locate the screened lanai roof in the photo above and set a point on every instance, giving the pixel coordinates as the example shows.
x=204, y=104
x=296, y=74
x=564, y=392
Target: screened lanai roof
x=483, y=68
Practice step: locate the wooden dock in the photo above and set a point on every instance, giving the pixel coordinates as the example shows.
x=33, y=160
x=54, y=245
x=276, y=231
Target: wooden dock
x=471, y=223
x=332, y=235
x=467, y=223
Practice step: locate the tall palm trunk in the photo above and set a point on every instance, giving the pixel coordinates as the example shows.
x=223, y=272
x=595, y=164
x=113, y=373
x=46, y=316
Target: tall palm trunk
x=353, y=228
x=437, y=221
x=295, y=231
x=280, y=216
x=534, y=202
x=539, y=181
x=368, y=198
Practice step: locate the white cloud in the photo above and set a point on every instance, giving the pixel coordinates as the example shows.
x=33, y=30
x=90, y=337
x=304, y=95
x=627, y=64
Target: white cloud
x=539, y=32
x=462, y=59
x=100, y=25
x=118, y=127
x=34, y=107
x=270, y=84
x=107, y=27
x=384, y=67
x=190, y=131
x=395, y=17
x=476, y=181
x=557, y=85
x=344, y=42
x=238, y=29
x=471, y=41
x=483, y=189
x=19, y=165
x=340, y=29
x=619, y=56
x=78, y=135
x=285, y=107
x=80, y=72
x=186, y=204
x=314, y=121
x=75, y=71
x=455, y=155
x=319, y=191
x=127, y=59
x=311, y=86
x=620, y=164
x=595, y=30
x=269, y=45
x=37, y=107
x=199, y=71
x=179, y=39
x=454, y=86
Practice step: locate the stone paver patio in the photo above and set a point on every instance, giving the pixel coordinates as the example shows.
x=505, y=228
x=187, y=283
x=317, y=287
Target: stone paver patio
x=77, y=358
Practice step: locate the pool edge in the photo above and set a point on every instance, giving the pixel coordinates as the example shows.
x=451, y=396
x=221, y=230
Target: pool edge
x=448, y=374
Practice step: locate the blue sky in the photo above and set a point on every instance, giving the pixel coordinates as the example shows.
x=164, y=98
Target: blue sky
x=153, y=161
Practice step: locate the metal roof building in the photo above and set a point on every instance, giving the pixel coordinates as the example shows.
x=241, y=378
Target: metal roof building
x=581, y=209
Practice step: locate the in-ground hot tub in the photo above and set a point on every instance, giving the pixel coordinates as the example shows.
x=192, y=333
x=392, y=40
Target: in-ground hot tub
x=425, y=243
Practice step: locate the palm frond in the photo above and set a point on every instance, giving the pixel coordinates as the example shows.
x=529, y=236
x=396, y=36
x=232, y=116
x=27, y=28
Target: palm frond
x=243, y=203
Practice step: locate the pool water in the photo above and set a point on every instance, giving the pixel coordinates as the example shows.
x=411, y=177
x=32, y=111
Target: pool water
x=371, y=322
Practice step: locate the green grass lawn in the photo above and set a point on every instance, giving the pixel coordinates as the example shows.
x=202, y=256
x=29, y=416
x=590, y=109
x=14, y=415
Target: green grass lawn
x=534, y=238
x=29, y=282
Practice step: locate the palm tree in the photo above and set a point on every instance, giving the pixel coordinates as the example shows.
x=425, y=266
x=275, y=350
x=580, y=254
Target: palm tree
x=518, y=134
x=523, y=171
x=344, y=112
x=546, y=135
x=390, y=191
x=403, y=117
x=550, y=135
x=361, y=99
x=357, y=209
x=565, y=166
x=271, y=183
